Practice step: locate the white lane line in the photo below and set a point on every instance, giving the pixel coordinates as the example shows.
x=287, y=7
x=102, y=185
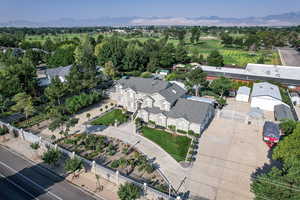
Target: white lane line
x=29, y=180
x=86, y=191
x=19, y=187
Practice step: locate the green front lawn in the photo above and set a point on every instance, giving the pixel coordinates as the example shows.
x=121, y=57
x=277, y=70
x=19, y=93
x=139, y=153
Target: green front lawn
x=110, y=118
x=176, y=146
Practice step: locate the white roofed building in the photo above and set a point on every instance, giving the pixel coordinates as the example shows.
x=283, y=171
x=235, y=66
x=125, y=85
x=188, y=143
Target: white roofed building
x=265, y=96
x=243, y=94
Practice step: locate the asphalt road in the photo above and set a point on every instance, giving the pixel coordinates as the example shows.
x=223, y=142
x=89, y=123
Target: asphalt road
x=290, y=57
x=22, y=180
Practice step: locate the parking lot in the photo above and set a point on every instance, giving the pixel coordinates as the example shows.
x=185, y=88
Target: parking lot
x=290, y=57
x=229, y=151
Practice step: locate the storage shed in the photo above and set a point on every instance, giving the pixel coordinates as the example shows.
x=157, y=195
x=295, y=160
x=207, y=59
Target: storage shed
x=243, y=94
x=265, y=96
x=282, y=112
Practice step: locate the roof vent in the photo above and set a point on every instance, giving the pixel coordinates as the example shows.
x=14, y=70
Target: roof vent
x=174, y=91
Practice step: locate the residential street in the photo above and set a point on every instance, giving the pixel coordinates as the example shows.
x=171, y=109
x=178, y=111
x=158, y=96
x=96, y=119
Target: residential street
x=20, y=179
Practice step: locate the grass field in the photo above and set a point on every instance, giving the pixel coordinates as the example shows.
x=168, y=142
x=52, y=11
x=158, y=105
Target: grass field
x=176, y=146
x=110, y=118
x=238, y=57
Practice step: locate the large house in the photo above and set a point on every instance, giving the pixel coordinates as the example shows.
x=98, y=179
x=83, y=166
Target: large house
x=164, y=103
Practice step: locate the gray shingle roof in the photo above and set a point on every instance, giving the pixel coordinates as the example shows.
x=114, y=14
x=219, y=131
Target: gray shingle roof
x=283, y=112
x=193, y=111
x=59, y=71
x=154, y=110
x=266, y=89
x=170, y=91
x=145, y=85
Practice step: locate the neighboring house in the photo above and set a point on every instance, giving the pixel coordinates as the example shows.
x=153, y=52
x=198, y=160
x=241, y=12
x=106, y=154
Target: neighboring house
x=243, y=94
x=60, y=72
x=265, y=96
x=282, y=112
x=163, y=103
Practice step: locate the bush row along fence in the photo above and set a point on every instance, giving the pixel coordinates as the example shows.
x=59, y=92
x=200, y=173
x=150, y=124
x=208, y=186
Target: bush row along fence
x=104, y=172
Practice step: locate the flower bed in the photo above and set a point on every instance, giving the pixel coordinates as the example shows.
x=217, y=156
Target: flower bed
x=115, y=154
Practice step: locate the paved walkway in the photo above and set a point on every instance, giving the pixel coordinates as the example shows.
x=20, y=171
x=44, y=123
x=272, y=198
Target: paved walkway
x=168, y=166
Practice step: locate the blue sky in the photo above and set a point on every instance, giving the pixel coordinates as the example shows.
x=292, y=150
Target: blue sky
x=41, y=10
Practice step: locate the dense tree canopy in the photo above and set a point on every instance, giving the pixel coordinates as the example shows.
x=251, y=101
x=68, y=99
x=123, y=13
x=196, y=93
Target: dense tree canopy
x=215, y=59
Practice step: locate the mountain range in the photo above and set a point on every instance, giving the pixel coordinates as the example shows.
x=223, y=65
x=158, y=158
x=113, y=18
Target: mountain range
x=286, y=19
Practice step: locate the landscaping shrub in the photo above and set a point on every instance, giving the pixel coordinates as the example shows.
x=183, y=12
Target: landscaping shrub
x=35, y=145
x=75, y=103
x=129, y=191
x=114, y=164
x=146, y=75
x=172, y=127
x=190, y=132
x=32, y=121
x=181, y=131
x=3, y=130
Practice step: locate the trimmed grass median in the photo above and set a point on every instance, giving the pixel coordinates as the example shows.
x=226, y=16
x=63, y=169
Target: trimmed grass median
x=177, y=146
x=110, y=118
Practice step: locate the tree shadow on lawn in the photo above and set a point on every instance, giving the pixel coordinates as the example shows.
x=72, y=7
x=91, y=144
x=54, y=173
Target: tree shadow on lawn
x=95, y=128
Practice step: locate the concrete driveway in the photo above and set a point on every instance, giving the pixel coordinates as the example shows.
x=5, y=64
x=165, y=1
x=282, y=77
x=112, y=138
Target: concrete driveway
x=229, y=151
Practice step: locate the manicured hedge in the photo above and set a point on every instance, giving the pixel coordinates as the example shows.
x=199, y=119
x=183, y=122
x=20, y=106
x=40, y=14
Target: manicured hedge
x=75, y=103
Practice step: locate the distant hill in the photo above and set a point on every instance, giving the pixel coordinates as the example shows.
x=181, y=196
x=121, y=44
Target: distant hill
x=286, y=19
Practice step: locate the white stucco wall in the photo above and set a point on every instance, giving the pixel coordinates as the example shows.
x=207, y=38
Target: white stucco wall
x=264, y=102
x=180, y=123
x=195, y=127
x=144, y=115
x=160, y=102
x=159, y=119
x=242, y=98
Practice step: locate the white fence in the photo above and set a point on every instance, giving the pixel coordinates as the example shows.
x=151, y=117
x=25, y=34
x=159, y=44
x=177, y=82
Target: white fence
x=104, y=172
